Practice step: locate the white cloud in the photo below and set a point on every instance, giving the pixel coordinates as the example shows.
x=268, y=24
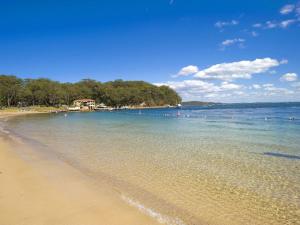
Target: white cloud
x=188, y=70
x=222, y=88
x=256, y=86
x=275, y=24
x=237, y=70
x=296, y=85
x=192, y=85
x=193, y=89
x=267, y=85
x=254, y=34
x=270, y=25
x=287, y=9
x=289, y=77
x=286, y=23
x=257, y=25
x=214, y=96
x=277, y=91
x=221, y=24
x=273, y=71
x=271, y=90
x=232, y=92
x=229, y=42
x=232, y=41
x=230, y=86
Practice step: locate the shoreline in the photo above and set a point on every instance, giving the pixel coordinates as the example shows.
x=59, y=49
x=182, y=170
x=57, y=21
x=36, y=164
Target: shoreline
x=11, y=112
x=5, y=115
x=36, y=189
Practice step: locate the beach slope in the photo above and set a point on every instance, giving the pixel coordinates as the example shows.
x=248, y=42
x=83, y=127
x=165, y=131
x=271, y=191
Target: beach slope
x=38, y=190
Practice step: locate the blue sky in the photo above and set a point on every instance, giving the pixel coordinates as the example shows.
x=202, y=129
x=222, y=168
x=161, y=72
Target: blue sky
x=228, y=51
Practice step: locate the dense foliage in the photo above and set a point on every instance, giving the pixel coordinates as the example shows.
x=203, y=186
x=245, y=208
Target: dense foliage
x=27, y=92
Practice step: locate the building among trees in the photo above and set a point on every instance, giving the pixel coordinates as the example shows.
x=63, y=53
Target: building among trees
x=45, y=92
x=85, y=104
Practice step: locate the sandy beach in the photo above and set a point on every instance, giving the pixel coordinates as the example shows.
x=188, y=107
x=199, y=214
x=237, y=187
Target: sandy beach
x=4, y=114
x=35, y=189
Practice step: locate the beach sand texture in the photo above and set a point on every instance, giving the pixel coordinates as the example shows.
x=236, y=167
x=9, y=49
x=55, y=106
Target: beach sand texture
x=38, y=190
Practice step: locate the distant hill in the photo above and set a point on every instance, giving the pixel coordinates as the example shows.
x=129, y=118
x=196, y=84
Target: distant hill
x=196, y=103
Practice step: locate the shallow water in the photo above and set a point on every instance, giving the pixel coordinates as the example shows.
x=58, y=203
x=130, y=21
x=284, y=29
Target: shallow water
x=225, y=164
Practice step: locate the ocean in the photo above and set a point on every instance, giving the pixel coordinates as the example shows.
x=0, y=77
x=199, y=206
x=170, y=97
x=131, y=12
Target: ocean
x=218, y=164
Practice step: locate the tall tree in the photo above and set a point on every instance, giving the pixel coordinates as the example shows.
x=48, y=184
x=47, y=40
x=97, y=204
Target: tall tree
x=114, y=93
x=10, y=87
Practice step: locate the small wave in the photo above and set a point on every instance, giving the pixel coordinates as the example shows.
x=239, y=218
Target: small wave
x=4, y=131
x=152, y=213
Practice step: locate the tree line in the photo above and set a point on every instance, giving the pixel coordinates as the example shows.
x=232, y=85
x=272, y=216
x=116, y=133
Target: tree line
x=15, y=91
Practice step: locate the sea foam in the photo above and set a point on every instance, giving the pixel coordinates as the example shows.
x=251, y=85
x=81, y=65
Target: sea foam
x=163, y=219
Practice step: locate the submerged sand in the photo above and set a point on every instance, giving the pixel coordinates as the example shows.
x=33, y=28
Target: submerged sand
x=35, y=189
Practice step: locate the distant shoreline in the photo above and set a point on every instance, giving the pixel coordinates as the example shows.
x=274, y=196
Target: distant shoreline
x=14, y=111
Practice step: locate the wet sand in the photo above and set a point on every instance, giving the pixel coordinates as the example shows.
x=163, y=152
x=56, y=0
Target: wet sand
x=36, y=189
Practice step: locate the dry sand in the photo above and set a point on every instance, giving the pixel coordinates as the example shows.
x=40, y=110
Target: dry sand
x=4, y=114
x=40, y=190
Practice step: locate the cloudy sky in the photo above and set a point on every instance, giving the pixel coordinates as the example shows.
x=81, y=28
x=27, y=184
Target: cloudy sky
x=225, y=51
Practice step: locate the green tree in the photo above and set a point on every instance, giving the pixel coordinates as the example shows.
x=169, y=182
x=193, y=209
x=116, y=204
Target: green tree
x=10, y=88
x=113, y=93
x=43, y=92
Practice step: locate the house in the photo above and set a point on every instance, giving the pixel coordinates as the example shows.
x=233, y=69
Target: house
x=85, y=104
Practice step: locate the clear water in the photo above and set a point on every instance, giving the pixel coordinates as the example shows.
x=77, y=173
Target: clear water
x=224, y=164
